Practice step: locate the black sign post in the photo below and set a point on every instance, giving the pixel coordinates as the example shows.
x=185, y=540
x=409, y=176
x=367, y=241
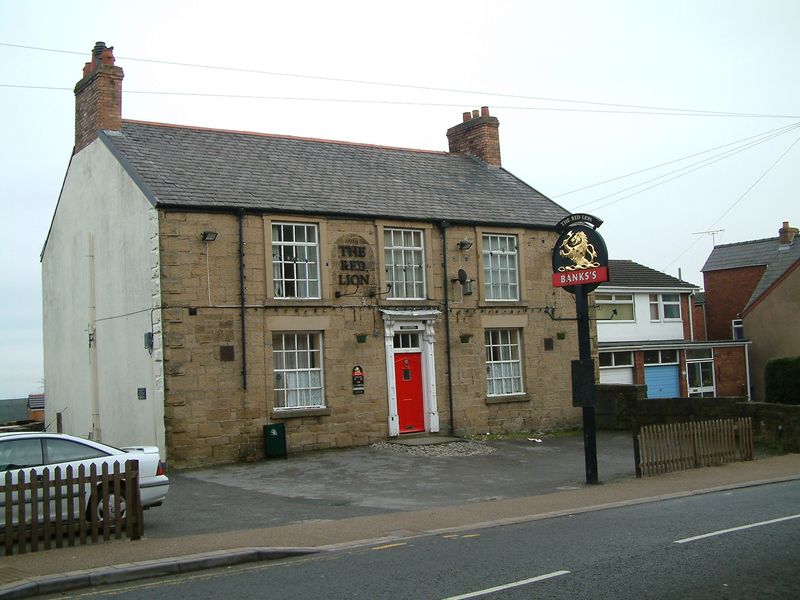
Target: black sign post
x=580, y=264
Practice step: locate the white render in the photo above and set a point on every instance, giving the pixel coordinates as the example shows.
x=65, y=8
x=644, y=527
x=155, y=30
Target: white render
x=642, y=328
x=101, y=207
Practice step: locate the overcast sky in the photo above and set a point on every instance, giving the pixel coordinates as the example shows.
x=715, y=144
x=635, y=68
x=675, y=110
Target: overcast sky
x=554, y=73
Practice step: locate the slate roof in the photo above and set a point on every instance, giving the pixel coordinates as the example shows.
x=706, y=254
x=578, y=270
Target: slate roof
x=782, y=259
x=741, y=254
x=197, y=168
x=629, y=274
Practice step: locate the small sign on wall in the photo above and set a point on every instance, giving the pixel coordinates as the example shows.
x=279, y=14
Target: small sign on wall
x=141, y=393
x=358, y=380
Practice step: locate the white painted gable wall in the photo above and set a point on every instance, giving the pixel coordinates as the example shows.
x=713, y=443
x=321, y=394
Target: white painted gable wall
x=100, y=199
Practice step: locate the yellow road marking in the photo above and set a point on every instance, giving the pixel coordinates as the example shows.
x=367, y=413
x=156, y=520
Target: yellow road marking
x=387, y=546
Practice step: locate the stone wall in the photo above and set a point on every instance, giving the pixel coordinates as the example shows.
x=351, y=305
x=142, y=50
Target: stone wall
x=211, y=417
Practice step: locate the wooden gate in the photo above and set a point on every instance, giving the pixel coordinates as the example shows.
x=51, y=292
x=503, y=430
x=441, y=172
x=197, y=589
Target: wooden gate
x=679, y=446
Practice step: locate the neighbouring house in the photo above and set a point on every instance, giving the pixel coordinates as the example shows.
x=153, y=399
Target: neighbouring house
x=647, y=334
x=27, y=412
x=35, y=407
x=753, y=291
x=731, y=275
x=199, y=284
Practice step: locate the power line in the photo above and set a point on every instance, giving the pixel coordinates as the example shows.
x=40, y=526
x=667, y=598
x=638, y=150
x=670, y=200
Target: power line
x=682, y=171
x=739, y=199
x=669, y=162
x=393, y=102
x=668, y=110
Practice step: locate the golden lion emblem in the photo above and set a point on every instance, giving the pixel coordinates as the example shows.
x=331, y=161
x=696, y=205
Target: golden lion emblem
x=576, y=247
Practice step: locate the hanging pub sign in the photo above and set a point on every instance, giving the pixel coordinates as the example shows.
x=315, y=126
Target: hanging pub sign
x=579, y=256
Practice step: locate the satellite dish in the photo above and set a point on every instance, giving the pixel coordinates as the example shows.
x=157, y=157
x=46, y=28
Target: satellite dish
x=462, y=276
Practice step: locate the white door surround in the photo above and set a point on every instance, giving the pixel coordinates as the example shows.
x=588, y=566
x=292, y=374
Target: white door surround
x=420, y=322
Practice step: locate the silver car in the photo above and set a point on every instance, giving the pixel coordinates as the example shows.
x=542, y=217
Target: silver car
x=32, y=452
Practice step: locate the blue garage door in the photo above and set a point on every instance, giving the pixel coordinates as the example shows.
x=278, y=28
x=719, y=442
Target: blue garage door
x=662, y=381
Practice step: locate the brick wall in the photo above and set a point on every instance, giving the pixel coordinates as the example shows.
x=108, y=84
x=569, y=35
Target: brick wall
x=477, y=136
x=729, y=371
x=685, y=315
x=727, y=292
x=98, y=97
x=699, y=319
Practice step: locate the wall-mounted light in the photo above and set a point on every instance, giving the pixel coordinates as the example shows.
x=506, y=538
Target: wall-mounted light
x=208, y=235
x=464, y=244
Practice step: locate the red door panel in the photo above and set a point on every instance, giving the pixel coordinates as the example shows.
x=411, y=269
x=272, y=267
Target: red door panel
x=408, y=382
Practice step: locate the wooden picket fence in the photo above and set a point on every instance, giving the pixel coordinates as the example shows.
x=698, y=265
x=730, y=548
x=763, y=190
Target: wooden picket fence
x=680, y=446
x=61, y=508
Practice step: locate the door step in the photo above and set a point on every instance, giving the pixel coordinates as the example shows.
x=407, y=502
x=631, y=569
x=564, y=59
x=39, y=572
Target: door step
x=422, y=439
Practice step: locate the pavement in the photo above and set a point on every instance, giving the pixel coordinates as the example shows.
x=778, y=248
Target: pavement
x=330, y=500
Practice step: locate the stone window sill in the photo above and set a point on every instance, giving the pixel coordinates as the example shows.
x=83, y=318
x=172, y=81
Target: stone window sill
x=508, y=399
x=295, y=413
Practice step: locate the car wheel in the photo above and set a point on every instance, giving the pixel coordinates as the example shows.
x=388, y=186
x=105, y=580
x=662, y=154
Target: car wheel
x=104, y=510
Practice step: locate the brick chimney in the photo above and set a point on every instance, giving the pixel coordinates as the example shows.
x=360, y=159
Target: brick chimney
x=98, y=97
x=477, y=136
x=786, y=234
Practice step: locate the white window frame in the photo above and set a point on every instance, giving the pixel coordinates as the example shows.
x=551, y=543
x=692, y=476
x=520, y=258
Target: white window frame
x=660, y=305
x=693, y=360
x=503, y=362
x=737, y=326
x=295, y=264
x=655, y=308
x=662, y=360
x=500, y=267
x=298, y=370
x=611, y=301
x=404, y=263
x=616, y=357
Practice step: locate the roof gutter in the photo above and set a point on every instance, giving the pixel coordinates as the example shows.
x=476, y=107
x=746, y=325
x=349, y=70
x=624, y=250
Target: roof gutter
x=352, y=215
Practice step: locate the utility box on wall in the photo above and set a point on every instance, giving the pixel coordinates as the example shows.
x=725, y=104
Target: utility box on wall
x=275, y=440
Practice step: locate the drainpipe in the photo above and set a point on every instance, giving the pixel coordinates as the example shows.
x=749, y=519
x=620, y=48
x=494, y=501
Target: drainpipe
x=747, y=371
x=242, y=297
x=96, y=432
x=446, y=281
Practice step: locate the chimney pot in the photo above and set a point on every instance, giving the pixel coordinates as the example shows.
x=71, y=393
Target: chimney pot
x=467, y=116
x=484, y=111
x=475, y=114
x=107, y=56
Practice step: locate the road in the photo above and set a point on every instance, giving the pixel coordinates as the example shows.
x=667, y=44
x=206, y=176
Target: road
x=749, y=548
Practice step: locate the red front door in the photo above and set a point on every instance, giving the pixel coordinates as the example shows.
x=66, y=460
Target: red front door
x=408, y=381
